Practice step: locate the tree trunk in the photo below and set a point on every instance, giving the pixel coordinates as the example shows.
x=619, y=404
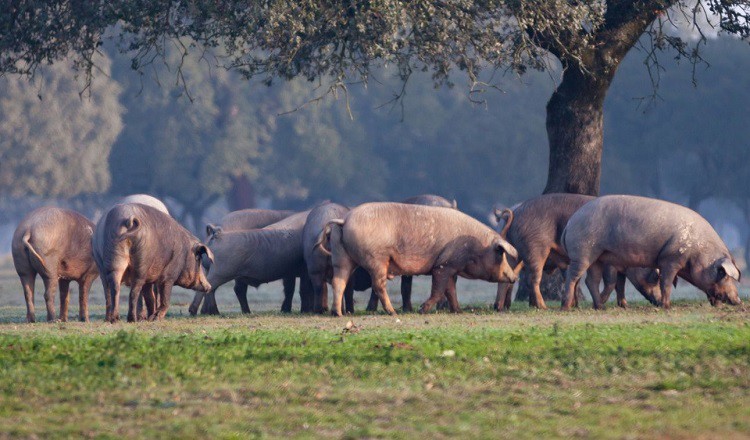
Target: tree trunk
x=575, y=116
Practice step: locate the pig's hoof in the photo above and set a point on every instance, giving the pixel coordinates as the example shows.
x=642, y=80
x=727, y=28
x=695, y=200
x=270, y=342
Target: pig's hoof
x=193, y=309
x=30, y=318
x=83, y=318
x=336, y=313
x=424, y=309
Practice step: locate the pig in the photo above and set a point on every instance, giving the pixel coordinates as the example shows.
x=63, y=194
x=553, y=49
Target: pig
x=56, y=244
x=259, y=256
x=318, y=263
x=406, y=281
x=244, y=219
x=145, y=199
x=630, y=231
x=534, y=227
x=431, y=200
x=149, y=292
x=391, y=239
x=142, y=245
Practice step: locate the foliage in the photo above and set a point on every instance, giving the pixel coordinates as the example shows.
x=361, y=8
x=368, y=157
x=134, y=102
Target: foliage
x=53, y=141
x=521, y=375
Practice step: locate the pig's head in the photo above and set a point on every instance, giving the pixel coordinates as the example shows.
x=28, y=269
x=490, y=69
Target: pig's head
x=719, y=281
x=647, y=280
x=495, y=263
x=193, y=275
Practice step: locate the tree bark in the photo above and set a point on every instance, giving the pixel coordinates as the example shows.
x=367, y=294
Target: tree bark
x=575, y=116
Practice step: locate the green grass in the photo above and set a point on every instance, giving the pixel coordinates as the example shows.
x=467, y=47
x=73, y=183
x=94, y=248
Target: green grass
x=614, y=374
x=637, y=373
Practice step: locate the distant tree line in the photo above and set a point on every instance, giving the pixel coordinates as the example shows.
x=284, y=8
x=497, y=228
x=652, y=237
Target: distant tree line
x=214, y=135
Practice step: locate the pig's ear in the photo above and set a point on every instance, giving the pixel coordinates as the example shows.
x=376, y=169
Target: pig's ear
x=503, y=246
x=727, y=269
x=454, y=205
x=653, y=276
x=210, y=230
x=201, y=250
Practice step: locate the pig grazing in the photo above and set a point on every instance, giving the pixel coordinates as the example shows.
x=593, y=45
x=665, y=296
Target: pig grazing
x=142, y=245
x=391, y=239
x=56, y=244
x=259, y=256
x=242, y=220
x=630, y=231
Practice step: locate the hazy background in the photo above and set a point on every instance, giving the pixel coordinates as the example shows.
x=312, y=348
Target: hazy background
x=224, y=143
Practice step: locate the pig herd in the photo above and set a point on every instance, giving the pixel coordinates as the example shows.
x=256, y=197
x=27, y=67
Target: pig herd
x=136, y=242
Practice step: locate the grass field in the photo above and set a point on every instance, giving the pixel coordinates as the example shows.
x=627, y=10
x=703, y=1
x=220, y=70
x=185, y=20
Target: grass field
x=637, y=373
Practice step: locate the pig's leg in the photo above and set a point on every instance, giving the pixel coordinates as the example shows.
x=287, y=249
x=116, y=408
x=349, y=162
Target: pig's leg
x=610, y=283
x=114, y=278
x=323, y=298
x=406, y=293
x=146, y=295
x=197, y=300
x=379, y=283
x=666, y=279
x=535, y=271
x=349, y=298
x=64, y=286
x=502, y=300
x=209, y=305
x=165, y=292
x=343, y=267
x=286, y=306
x=305, y=293
x=320, y=292
x=135, y=295
x=240, y=290
x=50, y=285
x=620, y=289
x=372, y=304
x=84, y=287
x=150, y=301
x=440, y=281
x=27, y=282
x=593, y=280
x=450, y=294
x=572, y=275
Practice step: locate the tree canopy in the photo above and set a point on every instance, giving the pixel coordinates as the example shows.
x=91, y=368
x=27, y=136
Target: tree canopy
x=52, y=142
x=337, y=43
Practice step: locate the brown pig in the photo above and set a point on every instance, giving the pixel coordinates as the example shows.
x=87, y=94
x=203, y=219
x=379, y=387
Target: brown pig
x=406, y=281
x=56, y=244
x=142, y=245
x=392, y=239
x=242, y=220
x=630, y=231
